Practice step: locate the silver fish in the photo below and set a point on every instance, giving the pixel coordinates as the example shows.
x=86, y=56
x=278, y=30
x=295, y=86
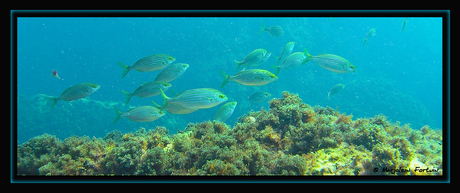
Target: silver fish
x=332, y=62
x=74, y=92
x=199, y=98
x=259, y=97
x=253, y=77
x=286, y=51
x=369, y=35
x=225, y=111
x=254, y=58
x=172, y=72
x=149, y=89
x=275, y=31
x=292, y=61
x=147, y=64
x=334, y=90
x=140, y=114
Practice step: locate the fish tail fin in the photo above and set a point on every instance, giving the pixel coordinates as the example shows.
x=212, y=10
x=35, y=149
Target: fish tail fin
x=263, y=27
x=117, y=114
x=226, y=78
x=238, y=65
x=279, y=59
x=307, y=53
x=365, y=40
x=52, y=100
x=164, y=97
x=125, y=69
x=127, y=96
x=277, y=68
x=308, y=56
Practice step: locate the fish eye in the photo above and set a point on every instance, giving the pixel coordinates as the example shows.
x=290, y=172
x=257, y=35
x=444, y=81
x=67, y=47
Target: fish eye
x=234, y=103
x=170, y=58
x=166, y=84
x=184, y=65
x=272, y=76
x=352, y=67
x=221, y=96
x=94, y=86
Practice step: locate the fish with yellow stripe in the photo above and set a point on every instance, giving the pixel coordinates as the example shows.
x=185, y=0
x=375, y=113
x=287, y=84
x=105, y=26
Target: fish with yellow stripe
x=147, y=64
x=254, y=58
x=74, y=92
x=225, y=111
x=332, y=62
x=139, y=114
x=253, y=77
x=199, y=98
x=286, y=51
x=147, y=90
x=172, y=72
x=292, y=61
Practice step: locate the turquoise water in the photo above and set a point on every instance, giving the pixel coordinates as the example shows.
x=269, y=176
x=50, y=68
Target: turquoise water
x=399, y=73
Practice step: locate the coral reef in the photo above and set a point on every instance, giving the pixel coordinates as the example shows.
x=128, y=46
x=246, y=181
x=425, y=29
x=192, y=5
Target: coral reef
x=291, y=138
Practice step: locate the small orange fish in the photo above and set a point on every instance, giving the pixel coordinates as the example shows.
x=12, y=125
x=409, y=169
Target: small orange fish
x=55, y=74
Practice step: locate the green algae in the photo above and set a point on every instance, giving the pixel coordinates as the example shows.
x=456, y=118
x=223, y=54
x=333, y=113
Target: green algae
x=291, y=138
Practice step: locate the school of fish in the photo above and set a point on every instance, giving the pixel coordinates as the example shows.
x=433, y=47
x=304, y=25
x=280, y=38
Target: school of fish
x=192, y=100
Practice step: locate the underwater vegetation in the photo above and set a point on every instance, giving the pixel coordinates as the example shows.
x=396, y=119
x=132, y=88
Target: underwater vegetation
x=291, y=138
x=79, y=117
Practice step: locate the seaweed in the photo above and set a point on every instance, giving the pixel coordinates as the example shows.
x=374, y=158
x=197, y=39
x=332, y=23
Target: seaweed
x=291, y=138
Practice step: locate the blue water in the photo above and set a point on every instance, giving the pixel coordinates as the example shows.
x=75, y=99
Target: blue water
x=399, y=74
